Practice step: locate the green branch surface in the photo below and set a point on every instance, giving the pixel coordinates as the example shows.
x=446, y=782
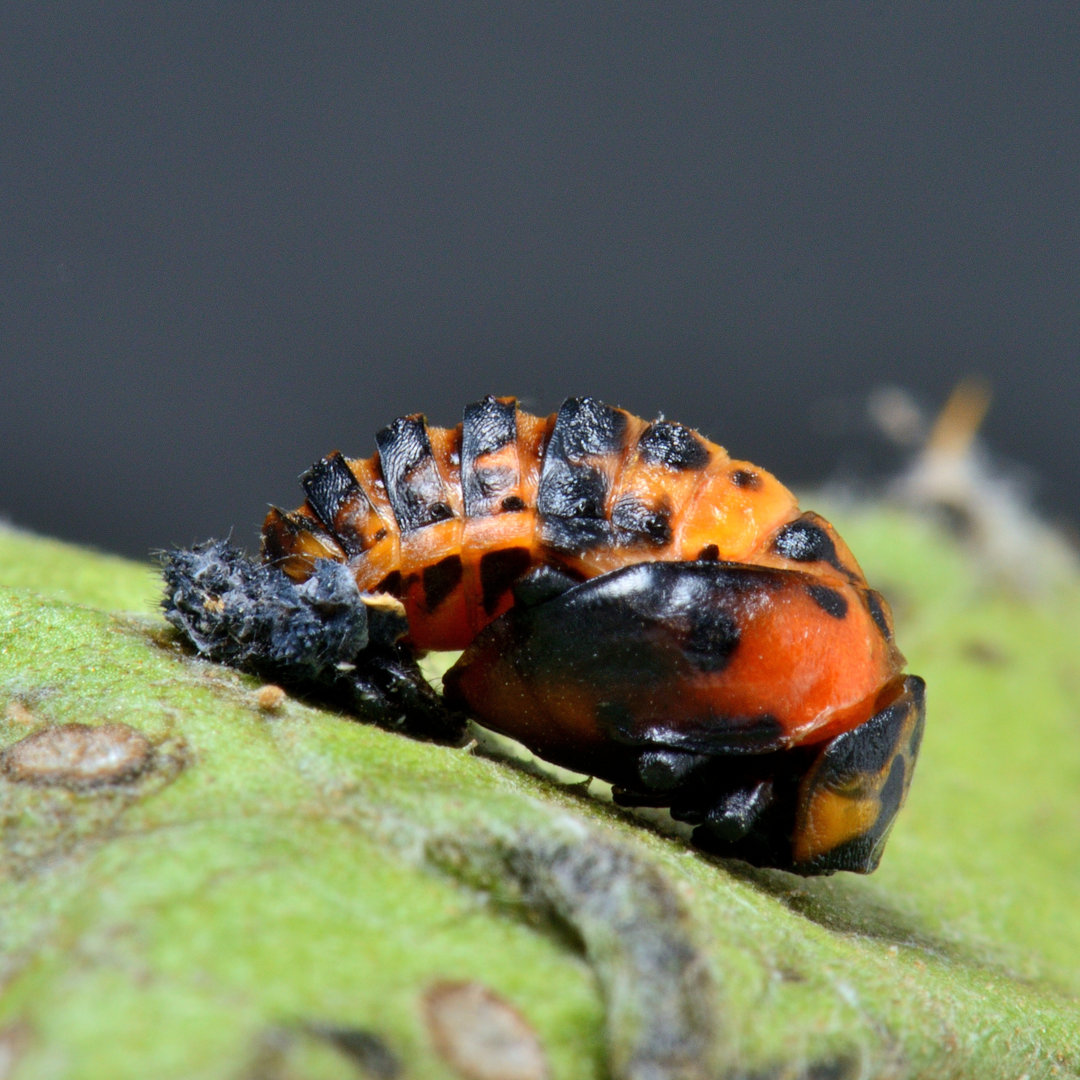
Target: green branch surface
x=201, y=883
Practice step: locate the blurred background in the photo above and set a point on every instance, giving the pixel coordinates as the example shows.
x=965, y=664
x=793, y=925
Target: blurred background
x=234, y=237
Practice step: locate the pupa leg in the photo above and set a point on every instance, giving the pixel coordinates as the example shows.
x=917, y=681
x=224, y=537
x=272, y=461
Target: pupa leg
x=323, y=639
x=815, y=810
x=810, y=810
x=851, y=794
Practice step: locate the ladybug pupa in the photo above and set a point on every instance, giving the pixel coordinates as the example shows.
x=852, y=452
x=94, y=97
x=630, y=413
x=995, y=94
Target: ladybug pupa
x=631, y=604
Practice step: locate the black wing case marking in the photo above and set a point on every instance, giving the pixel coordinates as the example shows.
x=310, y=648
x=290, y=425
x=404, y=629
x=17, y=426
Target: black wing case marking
x=642, y=631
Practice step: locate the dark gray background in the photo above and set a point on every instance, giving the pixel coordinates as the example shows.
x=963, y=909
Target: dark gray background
x=237, y=236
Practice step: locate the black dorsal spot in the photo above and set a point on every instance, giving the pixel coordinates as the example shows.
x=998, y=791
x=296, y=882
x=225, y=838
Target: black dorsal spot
x=570, y=502
x=572, y=494
x=709, y=553
x=570, y=491
x=829, y=600
x=488, y=427
x=513, y=503
x=585, y=426
x=744, y=478
x=414, y=485
x=636, y=521
x=338, y=501
x=329, y=484
x=677, y=447
x=804, y=540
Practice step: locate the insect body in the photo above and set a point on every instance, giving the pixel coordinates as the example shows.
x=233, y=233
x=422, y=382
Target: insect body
x=634, y=604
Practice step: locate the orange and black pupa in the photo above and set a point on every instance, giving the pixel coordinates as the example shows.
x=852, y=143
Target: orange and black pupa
x=631, y=603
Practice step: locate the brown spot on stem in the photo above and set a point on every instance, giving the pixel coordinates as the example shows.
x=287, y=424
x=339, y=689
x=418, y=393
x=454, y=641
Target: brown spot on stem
x=17, y=713
x=78, y=756
x=481, y=1036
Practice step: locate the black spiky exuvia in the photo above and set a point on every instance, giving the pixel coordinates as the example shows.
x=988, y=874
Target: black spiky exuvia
x=322, y=638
